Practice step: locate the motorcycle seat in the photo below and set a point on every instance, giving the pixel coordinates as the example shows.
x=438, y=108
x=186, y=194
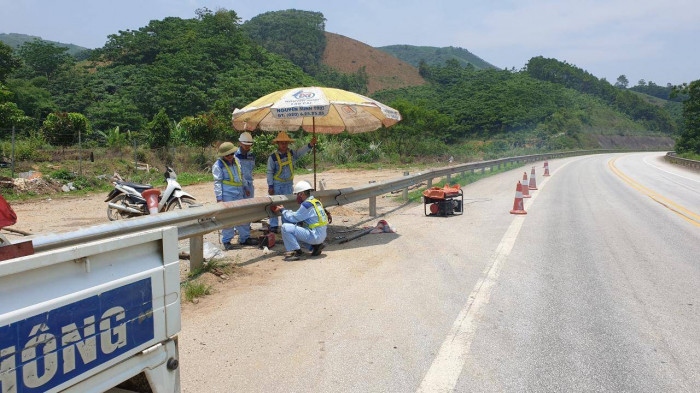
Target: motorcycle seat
x=136, y=186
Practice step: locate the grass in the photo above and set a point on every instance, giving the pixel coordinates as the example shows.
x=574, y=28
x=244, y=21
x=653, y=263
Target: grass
x=690, y=156
x=210, y=266
x=193, y=289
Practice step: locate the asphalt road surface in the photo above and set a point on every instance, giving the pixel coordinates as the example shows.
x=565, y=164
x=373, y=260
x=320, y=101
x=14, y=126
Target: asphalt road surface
x=596, y=288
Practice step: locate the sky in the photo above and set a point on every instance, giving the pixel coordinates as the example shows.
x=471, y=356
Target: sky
x=650, y=40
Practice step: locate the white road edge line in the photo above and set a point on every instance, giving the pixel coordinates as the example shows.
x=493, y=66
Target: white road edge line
x=664, y=170
x=445, y=370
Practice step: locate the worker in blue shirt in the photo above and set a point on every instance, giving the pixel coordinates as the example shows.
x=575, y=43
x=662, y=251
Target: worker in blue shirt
x=230, y=185
x=305, y=228
x=280, y=169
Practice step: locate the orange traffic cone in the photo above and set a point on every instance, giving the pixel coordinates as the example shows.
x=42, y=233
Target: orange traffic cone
x=546, y=169
x=518, y=202
x=533, y=181
x=525, y=189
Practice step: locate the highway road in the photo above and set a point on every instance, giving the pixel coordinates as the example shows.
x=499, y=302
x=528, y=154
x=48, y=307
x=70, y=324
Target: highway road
x=596, y=288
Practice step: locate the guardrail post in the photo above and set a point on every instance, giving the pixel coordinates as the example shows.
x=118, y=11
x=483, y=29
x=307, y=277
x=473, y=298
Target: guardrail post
x=372, y=203
x=430, y=183
x=483, y=170
x=405, y=190
x=449, y=178
x=196, y=252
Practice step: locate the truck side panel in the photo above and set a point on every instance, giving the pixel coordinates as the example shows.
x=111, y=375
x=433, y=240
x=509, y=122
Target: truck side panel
x=69, y=314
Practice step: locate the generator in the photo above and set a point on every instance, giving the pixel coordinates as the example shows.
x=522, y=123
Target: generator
x=443, y=201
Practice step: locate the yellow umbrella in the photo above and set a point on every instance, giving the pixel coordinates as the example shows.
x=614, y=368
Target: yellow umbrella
x=324, y=110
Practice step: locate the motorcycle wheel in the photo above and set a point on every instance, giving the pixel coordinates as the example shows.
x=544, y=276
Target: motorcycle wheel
x=115, y=214
x=180, y=203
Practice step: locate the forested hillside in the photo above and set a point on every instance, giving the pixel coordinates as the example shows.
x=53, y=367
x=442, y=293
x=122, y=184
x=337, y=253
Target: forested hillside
x=512, y=109
x=176, y=81
x=15, y=40
x=415, y=55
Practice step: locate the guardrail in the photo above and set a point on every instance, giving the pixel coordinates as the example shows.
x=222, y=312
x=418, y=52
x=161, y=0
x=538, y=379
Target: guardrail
x=195, y=222
x=671, y=157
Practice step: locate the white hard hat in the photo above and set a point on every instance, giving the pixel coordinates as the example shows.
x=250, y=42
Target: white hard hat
x=246, y=138
x=302, y=186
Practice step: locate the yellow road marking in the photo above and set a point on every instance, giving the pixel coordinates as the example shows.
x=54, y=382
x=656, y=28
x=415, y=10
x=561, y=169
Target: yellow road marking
x=685, y=213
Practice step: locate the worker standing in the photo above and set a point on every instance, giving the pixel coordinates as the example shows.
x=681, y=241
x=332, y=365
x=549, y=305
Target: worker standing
x=229, y=185
x=247, y=160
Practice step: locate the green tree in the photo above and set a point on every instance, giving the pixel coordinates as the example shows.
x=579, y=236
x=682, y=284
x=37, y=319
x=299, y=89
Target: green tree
x=689, y=140
x=10, y=114
x=8, y=62
x=33, y=97
x=297, y=35
x=115, y=111
x=63, y=129
x=114, y=138
x=356, y=82
x=159, y=130
x=622, y=82
x=43, y=58
x=203, y=130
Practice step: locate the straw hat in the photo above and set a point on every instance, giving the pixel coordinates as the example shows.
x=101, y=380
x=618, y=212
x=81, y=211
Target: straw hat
x=283, y=137
x=226, y=148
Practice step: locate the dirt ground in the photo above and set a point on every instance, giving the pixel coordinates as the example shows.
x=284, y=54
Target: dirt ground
x=63, y=212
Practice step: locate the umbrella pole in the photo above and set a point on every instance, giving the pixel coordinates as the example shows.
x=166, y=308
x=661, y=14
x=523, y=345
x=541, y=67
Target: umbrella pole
x=313, y=129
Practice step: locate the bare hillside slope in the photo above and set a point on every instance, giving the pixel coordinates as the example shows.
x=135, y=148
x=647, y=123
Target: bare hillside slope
x=384, y=71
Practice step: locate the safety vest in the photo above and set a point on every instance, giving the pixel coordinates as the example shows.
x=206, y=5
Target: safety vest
x=282, y=164
x=231, y=181
x=320, y=212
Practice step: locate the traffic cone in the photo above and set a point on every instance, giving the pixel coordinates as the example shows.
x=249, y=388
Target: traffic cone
x=546, y=169
x=152, y=195
x=525, y=189
x=518, y=207
x=533, y=181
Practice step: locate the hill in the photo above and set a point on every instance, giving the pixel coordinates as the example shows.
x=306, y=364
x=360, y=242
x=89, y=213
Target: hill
x=384, y=70
x=436, y=56
x=15, y=40
x=445, y=107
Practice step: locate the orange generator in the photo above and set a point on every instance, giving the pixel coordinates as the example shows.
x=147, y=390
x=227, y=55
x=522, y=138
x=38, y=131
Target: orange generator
x=443, y=201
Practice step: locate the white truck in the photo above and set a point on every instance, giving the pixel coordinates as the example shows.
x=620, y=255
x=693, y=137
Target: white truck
x=90, y=317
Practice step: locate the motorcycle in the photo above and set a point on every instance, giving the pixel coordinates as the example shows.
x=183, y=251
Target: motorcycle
x=126, y=199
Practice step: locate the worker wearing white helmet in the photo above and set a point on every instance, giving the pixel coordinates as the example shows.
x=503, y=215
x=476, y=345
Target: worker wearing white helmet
x=311, y=215
x=247, y=160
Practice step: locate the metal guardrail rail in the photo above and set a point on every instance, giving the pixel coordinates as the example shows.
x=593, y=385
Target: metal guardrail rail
x=195, y=222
